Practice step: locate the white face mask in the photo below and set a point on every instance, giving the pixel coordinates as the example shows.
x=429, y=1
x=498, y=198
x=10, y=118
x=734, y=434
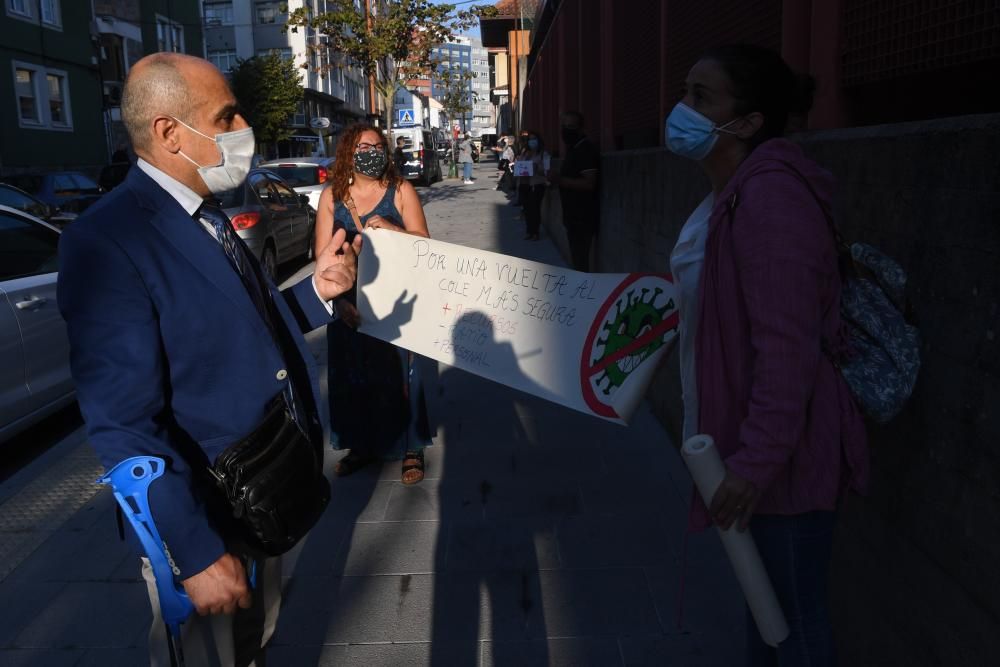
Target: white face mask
x=236, y=149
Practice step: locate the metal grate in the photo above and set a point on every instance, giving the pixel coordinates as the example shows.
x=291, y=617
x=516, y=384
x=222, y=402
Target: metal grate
x=889, y=39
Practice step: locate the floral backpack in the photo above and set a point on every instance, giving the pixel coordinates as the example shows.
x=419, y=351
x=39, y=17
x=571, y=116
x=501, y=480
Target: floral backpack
x=882, y=359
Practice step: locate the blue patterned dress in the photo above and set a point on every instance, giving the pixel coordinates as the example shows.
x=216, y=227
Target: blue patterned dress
x=377, y=404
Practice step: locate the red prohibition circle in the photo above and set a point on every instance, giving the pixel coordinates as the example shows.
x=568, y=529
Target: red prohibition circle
x=587, y=371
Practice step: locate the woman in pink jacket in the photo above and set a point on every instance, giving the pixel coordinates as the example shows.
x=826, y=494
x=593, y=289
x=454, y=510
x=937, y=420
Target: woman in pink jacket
x=760, y=313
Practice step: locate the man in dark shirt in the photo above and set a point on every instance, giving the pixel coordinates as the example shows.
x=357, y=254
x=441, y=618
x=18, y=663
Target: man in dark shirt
x=577, y=181
x=398, y=155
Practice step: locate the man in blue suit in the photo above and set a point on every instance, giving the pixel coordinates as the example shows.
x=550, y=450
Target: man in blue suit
x=170, y=351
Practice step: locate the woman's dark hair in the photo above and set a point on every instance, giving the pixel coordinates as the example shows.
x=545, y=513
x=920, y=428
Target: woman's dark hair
x=763, y=82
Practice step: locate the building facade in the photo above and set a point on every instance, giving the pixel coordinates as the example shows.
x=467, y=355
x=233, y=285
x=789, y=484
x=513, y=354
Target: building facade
x=240, y=29
x=127, y=30
x=50, y=86
x=468, y=55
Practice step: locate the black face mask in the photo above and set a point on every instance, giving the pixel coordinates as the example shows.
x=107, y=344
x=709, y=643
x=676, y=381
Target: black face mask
x=370, y=163
x=571, y=136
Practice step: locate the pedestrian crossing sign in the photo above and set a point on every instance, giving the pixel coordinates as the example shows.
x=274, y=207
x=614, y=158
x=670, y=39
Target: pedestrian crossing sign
x=406, y=117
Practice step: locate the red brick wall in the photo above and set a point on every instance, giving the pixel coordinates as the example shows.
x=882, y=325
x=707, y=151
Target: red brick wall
x=693, y=27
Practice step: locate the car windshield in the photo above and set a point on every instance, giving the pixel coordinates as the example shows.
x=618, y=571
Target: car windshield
x=296, y=175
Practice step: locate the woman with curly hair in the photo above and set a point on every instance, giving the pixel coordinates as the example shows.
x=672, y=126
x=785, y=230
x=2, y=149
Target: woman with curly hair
x=376, y=404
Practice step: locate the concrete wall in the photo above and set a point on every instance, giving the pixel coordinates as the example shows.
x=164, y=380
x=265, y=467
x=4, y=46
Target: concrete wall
x=916, y=580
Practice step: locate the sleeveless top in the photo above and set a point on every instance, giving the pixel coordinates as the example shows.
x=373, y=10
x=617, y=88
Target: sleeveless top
x=386, y=208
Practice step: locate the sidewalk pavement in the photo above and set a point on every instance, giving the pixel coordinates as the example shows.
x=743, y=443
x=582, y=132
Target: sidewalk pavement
x=540, y=536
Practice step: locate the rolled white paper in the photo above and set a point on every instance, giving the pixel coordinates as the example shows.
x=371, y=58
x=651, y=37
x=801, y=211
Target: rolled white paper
x=708, y=471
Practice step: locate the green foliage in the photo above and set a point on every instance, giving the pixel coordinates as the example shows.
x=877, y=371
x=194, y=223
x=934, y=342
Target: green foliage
x=268, y=88
x=392, y=46
x=455, y=96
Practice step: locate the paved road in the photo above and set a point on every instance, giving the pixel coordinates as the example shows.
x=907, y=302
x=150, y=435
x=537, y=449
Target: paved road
x=540, y=537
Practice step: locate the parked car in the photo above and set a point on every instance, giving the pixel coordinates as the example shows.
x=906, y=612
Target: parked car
x=276, y=222
x=35, y=379
x=22, y=201
x=422, y=162
x=306, y=175
x=67, y=190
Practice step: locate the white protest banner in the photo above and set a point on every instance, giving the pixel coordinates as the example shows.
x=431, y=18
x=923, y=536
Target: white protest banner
x=590, y=341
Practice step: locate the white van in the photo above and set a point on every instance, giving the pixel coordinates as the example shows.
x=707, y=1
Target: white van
x=420, y=157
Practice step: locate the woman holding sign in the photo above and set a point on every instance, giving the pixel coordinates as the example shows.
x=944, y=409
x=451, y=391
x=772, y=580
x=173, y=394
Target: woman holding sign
x=760, y=314
x=372, y=384
x=530, y=168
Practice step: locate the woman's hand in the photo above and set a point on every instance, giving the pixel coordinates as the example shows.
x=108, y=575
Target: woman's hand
x=378, y=222
x=734, y=500
x=347, y=313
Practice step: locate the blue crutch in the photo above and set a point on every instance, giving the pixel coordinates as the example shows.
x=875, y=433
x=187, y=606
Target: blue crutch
x=130, y=482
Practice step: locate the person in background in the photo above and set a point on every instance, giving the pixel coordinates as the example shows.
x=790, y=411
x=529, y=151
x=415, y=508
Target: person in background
x=373, y=384
x=399, y=155
x=760, y=327
x=531, y=189
x=577, y=180
x=465, y=158
x=504, y=160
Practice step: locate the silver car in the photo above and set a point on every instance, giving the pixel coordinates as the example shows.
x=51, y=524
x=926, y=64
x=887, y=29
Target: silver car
x=35, y=379
x=305, y=175
x=275, y=221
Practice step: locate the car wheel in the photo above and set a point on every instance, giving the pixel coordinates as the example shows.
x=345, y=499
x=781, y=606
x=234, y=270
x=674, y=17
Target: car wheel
x=269, y=263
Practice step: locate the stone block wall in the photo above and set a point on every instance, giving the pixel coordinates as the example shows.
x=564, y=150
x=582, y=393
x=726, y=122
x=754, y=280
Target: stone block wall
x=917, y=563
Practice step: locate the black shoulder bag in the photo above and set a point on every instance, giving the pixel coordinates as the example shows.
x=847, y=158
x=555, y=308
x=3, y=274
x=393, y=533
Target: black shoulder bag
x=272, y=482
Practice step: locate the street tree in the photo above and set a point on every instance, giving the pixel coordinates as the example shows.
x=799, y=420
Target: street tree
x=268, y=88
x=392, y=45
x=455, y=96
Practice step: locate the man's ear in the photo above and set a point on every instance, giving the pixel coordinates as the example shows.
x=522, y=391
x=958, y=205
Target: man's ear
x=752, y=122
x=165, y=133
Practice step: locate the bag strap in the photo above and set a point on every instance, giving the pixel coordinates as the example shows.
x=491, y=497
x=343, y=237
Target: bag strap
x=349, y=205
x=842, y=245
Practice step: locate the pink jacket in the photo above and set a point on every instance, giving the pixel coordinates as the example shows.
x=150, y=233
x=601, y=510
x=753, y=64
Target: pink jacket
x=779, y=411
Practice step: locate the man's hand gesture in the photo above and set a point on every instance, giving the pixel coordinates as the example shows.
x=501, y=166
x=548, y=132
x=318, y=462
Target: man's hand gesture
x=337, y=266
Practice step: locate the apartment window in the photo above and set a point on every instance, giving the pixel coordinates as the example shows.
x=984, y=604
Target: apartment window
x=50, y=12
x=45, y=12
x=57, y=102
x=42, y=97
x=285, y=53
x=169, y=35
x=224, y=60
x=299, y=117
x=27, y=97
x=269, y=13
x=218, y=13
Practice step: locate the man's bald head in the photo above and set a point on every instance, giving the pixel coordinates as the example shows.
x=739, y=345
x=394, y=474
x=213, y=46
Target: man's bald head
x=160, y=85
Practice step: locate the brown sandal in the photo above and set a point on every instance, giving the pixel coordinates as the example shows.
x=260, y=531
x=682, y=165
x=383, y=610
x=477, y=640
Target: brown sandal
x=413, y=467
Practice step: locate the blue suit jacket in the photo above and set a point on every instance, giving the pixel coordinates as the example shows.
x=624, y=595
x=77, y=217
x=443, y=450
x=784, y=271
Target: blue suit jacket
x=169, y=354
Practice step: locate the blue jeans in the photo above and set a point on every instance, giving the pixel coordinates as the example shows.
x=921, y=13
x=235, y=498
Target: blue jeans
x=467, y=170
x=796, y=552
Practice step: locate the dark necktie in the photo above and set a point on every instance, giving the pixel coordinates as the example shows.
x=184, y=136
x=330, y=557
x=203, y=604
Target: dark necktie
x=258, y=290
x=236, y=252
